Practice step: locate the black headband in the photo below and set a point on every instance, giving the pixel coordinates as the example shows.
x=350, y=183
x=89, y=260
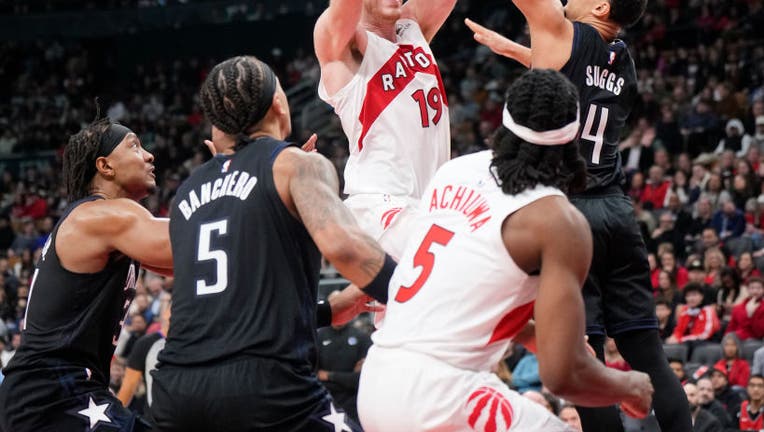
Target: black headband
x=265, y=102
x=111, y=139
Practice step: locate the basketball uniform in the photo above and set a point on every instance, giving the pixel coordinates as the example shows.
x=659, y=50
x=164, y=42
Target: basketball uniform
x=58, y=380
x=456, y=300
x=617, y=293
x=394, y=113
x=241, y=351
x=748, y=421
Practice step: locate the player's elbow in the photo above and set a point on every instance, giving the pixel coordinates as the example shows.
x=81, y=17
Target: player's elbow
x=341, y=250
x=560, y=377
x=555, y=379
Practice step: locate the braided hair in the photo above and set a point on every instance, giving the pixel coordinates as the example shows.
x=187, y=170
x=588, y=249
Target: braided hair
x=542, y=100
x=236, y=94
x=79, y=158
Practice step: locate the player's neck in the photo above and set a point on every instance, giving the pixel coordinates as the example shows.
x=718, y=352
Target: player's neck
x=383, y=29
x=271, y=129
x=607, y=30
x=110, y=190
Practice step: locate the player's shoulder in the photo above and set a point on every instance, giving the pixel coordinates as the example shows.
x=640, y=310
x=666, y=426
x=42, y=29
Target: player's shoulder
x=104, y=215
x=554, y=218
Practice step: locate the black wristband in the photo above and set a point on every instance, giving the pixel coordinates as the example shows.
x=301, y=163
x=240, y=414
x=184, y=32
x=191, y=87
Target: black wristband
x=323, y=314
x=377, y=288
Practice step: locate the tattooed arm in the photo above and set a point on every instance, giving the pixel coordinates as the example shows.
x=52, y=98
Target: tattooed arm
x=308, y=185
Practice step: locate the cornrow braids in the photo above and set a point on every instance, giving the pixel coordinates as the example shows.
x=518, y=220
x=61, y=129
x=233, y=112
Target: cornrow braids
x=79, y=158
x=542, y=100
x=237, y=94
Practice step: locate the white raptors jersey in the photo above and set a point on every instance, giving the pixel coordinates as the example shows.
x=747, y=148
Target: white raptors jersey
x=457, y=295
x=395, y=115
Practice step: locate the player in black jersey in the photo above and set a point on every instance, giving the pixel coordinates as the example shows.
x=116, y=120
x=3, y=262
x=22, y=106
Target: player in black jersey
x=84, y=282
x=248, y=229
x=580, y=40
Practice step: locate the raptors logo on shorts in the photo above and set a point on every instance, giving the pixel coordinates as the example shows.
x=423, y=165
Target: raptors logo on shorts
x=389, y=216
x=489, y=411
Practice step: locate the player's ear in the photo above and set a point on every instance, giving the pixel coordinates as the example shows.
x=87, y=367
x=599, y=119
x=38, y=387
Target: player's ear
x=104, y=167
x=601, y=9
x=278, y=105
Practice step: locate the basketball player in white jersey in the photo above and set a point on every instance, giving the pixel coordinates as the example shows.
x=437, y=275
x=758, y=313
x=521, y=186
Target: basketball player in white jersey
x=380, y=76
x=495, y=243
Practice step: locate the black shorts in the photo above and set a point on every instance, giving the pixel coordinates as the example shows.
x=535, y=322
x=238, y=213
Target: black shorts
x=245, y=394
x=618, y=292
x=62, y=399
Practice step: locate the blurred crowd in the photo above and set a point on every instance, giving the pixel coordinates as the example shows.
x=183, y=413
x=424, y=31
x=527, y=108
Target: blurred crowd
x=692, y=153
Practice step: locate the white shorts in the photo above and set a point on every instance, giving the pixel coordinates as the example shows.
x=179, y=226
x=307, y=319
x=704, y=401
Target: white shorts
x=407, y=391
x=386, y=218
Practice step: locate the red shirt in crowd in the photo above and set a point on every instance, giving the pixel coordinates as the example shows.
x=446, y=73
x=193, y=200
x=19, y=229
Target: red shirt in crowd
x=738, y=373
x=748, y=423
x=744, y=326
x=656, y=194
x=682, y=277
x=696, y=323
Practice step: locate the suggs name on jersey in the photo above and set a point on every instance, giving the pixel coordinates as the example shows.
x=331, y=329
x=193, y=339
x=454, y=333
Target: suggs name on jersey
x=238, y=184
x=597, y=76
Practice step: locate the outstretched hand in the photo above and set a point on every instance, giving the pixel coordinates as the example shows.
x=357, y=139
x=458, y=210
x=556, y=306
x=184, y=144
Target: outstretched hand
x=310, y=144
x=350, y=302
x=494, y=41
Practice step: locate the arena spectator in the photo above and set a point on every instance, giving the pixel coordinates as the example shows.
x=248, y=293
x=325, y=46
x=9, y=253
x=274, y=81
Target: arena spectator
x=707, y=401
x=613, y=358
x=724, y=393
x=747, y=320
x=695, y=322
x=730, y=293
x=737, y=369
x=746, y=267
x=736, y=139
x=701, y=219
x=569, y=415
x=729, y=221
x=750, y=417
x=654, y=193
x=713, y=263
x=665, y=314
x=702, y=420
x=677, y=365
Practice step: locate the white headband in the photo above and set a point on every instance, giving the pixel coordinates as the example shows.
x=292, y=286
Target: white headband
x=559, y=136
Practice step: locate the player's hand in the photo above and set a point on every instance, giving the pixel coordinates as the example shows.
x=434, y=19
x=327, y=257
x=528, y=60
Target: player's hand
x=211, y=147
x=350, y=302
x=638, y=405
x=589, y=348
x=310, y=144
x=494, y=41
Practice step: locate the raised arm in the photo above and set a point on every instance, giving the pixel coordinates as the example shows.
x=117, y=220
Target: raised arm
x=500, y=44
x=335, y=36
x=429, y=14
x=560, y=236
x=551, y=32
x=313, y=191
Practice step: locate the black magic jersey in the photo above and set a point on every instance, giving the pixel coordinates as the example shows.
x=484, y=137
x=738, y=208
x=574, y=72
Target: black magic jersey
x=73, y=319
x=246, y=271
x=607, y=85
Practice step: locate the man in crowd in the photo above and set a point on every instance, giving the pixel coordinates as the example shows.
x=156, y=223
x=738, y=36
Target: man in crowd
x=750, y=417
